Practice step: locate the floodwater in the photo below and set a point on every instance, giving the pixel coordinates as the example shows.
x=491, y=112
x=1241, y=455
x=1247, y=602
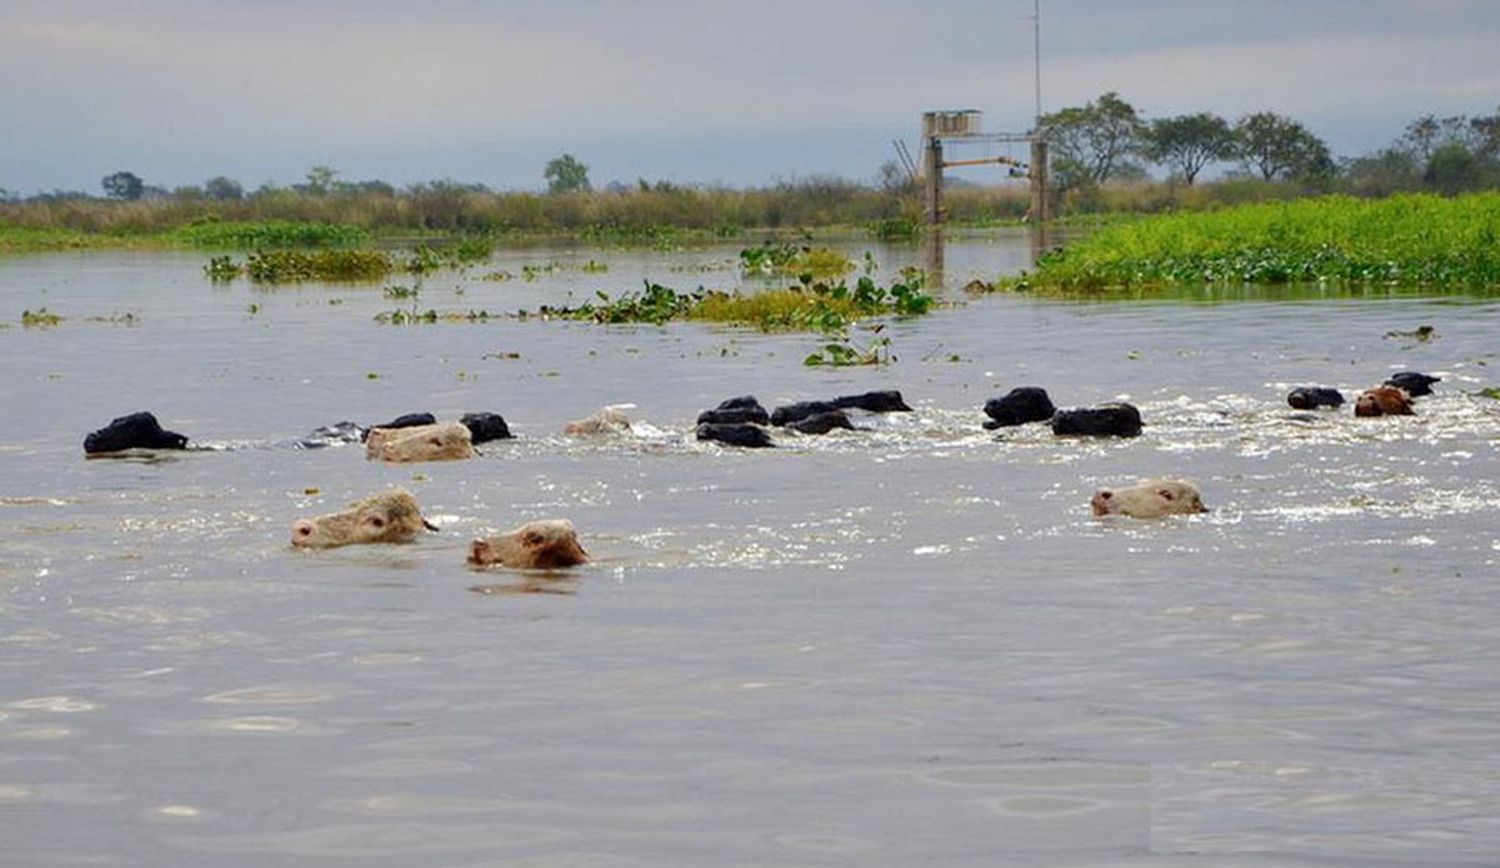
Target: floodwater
x=906, y=645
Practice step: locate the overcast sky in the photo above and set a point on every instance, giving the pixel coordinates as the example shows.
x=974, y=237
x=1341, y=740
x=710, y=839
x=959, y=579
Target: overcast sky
x=740, y=92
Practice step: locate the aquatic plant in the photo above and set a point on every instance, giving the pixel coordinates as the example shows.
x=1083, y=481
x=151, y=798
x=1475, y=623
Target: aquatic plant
x=404, y=316
x=246, y=235
x=1410, y=240
x=844, y=352
x=39, y=318
x=772, y=259
x=808, y=306
x=222, y=269
x=291, y=266
x=897, y=229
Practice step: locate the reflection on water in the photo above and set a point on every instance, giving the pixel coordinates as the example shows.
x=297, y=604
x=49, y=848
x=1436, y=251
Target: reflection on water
x=906, y=644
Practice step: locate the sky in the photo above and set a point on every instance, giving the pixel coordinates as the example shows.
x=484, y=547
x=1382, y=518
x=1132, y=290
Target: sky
x=692, y=91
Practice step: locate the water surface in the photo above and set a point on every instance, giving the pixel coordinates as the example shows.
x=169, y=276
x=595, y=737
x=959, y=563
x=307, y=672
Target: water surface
x=906, y=645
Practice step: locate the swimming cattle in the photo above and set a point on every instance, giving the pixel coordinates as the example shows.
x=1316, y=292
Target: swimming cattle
x=445, y=441
x=484, y=427
x=135, y=431
x=822, y=423
x=744, y=435
x=1313, y=397
x=1149, y=498
x=1017, y=407
x=736, y=411
x=1383, y=401
x=389, y=517
x=888, y=401
x=408, y=420
x=1413, y=383
x=1106, y=420
x=536, y=545
x=609, y=420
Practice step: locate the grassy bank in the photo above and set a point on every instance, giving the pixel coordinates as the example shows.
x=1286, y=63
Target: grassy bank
x=663, y=215
x=1410, y=240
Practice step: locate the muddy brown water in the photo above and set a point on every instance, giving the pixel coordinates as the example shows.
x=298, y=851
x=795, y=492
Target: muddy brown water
x=906, y=645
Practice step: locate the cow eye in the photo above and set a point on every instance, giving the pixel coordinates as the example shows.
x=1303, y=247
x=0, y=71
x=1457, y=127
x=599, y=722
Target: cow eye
x=1166, y=495
x=533, y=539
x=377, y=521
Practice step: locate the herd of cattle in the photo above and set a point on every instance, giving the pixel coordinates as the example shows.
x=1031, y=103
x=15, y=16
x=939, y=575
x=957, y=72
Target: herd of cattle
x=394, y=516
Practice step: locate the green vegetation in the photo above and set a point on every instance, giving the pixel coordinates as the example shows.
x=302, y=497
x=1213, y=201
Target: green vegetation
x=810, y=306
x=773, y=259
x=39, y=318
x=292, y=266
x=1409, y=240
x=844, y=352
x=240, y=235
x=285, y=265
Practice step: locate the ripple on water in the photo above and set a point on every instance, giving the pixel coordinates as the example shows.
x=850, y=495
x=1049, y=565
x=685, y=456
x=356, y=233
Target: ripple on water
x=248, y=725
x=376, y=840
x=398, y=768
x=142, y=614
x=1044, y=774
x=55, y=704
x=269, y=695
x=1044, y=806
x=420, y=805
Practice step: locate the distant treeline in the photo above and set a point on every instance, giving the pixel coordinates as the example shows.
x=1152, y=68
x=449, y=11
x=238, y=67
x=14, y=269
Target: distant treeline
x=1100, y=154
x=1107, y=141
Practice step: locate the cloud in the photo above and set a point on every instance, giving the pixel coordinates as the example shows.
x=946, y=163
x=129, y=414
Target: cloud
x=251, y=84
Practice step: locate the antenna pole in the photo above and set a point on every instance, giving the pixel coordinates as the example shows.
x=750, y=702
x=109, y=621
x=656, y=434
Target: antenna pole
x=1036, y=19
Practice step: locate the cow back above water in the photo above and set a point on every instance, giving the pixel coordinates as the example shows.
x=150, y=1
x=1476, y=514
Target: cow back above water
x=135, y=431
x=1383, y=401
x=1106, y=420
x=1019, y=406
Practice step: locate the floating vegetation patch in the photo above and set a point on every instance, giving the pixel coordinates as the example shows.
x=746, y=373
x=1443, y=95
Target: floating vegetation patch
x=845, y=352
x=402, y=316
x=1421, y=334
x=776, y=259
x=273, y=265
x=269, y=234
x=661, y=237
x=897, y=229
x=39, y=318
x=810, y=306
x=1403, y=241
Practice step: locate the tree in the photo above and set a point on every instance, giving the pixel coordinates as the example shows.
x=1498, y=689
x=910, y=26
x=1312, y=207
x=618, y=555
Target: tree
x=320, y=180
x=1189, y=142
x=125, y=186
x=1277, y=146
x=1453, y=169
x=893, y=179
x=1089, y=144
x=223, y=189
x=1382, y=173
x=565, y=174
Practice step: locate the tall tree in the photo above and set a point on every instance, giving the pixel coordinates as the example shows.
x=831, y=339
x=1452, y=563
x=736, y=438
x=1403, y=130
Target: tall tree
x=1279, y=147
x=223, y=188
x=1090, y=143
x=125, y=186
x=1188, y=143
x=565, y=174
